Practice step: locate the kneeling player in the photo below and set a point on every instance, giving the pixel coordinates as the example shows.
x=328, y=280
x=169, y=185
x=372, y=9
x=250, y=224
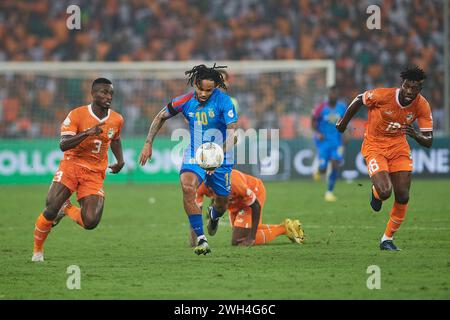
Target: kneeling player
x=86, y=134
x=245, y=205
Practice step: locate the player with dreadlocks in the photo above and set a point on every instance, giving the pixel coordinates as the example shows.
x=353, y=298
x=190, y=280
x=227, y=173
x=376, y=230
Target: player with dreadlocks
x=386, y=151
x=212, y=118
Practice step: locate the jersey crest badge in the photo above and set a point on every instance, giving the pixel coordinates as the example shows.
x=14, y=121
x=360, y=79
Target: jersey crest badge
x=110, y=133
x=409, y=117
x=211, y=113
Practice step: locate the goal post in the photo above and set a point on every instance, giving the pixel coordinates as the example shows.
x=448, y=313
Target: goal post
x=35, y=96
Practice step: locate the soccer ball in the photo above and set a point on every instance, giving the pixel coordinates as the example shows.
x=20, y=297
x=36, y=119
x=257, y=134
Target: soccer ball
x=209, y=156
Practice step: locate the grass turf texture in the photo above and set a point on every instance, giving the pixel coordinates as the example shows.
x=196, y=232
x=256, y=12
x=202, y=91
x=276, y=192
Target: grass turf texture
x=140, y=248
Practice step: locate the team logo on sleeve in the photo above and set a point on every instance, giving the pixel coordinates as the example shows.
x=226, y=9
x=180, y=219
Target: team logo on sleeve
x=231, y=113
x=110, y=133
x=66, y=121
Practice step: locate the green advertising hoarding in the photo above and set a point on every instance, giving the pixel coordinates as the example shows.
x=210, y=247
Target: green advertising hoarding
x=296, y=159
x=35, y=161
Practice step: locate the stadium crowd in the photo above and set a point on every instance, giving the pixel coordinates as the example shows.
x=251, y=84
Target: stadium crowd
x=139, y=30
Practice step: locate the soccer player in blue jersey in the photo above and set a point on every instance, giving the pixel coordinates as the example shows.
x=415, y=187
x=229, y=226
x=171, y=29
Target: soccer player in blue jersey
x=328, y=139
x=212, y=118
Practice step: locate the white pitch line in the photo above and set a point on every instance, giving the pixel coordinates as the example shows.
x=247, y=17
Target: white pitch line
x=371, y=227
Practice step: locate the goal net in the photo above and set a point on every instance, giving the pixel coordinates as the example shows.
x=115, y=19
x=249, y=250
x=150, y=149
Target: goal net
x=35, y=97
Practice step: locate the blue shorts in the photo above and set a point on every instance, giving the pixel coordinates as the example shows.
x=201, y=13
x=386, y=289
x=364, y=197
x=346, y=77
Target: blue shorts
x=329, y=152
x=219, y=181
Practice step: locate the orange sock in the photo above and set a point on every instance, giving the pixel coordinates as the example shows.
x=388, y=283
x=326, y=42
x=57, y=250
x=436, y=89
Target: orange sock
x=41, y=230
x=74, y=213
x=268, y=232
x=375, y=193
x=397, y=216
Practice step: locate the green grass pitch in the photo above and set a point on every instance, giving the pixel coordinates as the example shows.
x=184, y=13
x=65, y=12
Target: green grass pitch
x=140, y=248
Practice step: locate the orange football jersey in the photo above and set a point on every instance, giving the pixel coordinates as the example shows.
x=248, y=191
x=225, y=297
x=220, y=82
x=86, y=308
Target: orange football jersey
x=387, y=115
x=92, y=152
x=244, y=191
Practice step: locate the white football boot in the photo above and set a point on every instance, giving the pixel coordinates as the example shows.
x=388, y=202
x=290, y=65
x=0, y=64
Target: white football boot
x=38, y=257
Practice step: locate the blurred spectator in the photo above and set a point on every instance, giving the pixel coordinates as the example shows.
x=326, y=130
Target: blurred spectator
x=143, y=30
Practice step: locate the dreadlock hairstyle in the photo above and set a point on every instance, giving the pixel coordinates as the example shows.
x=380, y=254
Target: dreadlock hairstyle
x=413, y=73
x=202, y=72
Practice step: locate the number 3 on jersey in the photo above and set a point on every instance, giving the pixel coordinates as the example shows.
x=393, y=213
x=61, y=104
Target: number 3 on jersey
x=98, y=144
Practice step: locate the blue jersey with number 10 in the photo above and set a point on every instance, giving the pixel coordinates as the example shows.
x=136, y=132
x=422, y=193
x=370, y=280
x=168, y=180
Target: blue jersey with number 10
x=207, y=121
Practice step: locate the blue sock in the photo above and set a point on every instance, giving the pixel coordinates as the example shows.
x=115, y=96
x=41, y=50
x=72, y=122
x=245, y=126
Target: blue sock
x=332, y=179
x=196, y=223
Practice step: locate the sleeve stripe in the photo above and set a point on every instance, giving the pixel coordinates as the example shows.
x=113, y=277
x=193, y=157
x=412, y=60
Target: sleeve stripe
x=426, y=129
x=171, y=110
x=318, y=110
x=363, y=98
x=68, y=133
x=181, y=100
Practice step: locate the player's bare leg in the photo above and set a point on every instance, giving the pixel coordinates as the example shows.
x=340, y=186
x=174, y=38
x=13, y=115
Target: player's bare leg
x=329, y=195
x=401, y=182
x=215, y=211
x=316, y=170
x=56, y=196
x=381, y=189
x=269, y=232
x=189, y=184
x=89, y=213
x=91, y=210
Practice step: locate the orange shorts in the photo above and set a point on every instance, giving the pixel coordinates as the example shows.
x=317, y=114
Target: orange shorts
x=242, y=217
x=391, y=159
x=80, y=179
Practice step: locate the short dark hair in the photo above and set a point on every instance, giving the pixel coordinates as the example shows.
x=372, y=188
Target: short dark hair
x=413, y=73
x=202, y=72
x=101, y=81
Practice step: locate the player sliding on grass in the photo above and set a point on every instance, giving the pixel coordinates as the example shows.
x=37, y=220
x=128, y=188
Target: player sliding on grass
x=246, y=202
x=392, y=112
x=86, y=134
x=212, y=118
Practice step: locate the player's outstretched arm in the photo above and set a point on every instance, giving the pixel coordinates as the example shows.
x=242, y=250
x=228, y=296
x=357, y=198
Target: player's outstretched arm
x=69, y=142
x=256, y=213
x=116, y=148
x=157, y=123
x=352, y=109
x=231, y=137
x=314, y=126
x=425, y=139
